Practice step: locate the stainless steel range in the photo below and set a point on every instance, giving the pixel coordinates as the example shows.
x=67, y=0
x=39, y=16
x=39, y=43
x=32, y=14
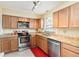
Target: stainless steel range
x=24, y=41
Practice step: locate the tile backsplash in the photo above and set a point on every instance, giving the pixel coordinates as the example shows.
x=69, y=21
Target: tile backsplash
x=74, y=32
x=6, y=31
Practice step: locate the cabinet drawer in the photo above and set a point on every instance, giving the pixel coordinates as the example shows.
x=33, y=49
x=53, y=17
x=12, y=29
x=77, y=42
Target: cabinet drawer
x=67, y=53
x=69, y=47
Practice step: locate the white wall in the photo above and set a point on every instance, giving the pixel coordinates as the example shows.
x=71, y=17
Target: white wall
x=1, y=30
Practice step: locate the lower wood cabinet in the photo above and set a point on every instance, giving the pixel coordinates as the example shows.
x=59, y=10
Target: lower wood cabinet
x=14, y=44
x=42, y=43
x=5, y=45
x=33, y=41
x=8, y=44
x=69, y=51
x=39, y=41
x=45, y=45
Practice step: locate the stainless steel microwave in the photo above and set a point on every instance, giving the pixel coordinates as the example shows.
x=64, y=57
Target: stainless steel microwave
x=22, y=24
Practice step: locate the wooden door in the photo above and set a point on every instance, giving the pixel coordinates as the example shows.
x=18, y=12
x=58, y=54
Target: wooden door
x=74, y=18
x=55, y=19
x=13, y=20
x=14, y=44
x=68, y=53
x=33, y=41
x=38, y=23
x=45, y=45
x=26, y=19
x=6, y=21
x=6, y=45
x=69, y=50
x=20, y=19
x=64, y=17
x=32, y=23
x=0, y=46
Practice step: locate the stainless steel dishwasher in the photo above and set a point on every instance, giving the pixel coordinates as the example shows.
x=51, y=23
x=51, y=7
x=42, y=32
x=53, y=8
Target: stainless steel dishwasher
x=53, y=48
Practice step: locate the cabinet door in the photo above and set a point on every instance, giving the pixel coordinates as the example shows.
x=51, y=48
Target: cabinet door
x=74, y=19
x=26, y=19
x=68, y=53
x=32, y=23
x=6, y=21
x=0, y=45
x=14, y=44
x=45, y=45
x=55, y=19
x=38, y=23
x=20, y=19
x=5, y=45
x=33, y=41
x=13, y=20
x=64, y=17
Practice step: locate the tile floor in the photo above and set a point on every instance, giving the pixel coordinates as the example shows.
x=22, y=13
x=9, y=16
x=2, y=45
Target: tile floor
x=24, y=53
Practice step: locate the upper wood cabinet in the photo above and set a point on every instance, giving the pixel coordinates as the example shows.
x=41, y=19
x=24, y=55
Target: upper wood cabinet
x=6, y=21
x=38, y=23
x=74, y=15
x=55, y=19
x=13, y=22
x=68, y=17
x=32, y=23
x=24, y=19
x=9, y=22
x=63, y=17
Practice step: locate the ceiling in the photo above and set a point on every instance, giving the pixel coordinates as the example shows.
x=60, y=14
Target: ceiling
x=43, y=6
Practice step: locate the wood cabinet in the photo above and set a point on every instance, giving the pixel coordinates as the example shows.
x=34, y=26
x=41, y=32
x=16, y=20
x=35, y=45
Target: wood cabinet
x=55, y=19
x=33, y=23
x=33, y=41
x=42, y=43
x=6, y=45
x=9, y=22
x=64, y=17
x=6, y=22
x=0, y=46
x=69, y=51
x=38, y=23
x=13, y=22
x=14, y=44
x=23, y=19
x=74, y=15
x=45, y=45
x=68, y=17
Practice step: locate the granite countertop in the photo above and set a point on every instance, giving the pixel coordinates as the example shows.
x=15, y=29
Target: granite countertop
x=7, y=35
x=64, y=39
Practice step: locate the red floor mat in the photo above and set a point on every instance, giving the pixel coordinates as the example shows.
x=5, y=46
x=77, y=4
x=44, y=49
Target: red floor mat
x=38, y=52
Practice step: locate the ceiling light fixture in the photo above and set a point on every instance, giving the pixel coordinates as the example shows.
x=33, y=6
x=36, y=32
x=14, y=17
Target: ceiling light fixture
x=35, y=4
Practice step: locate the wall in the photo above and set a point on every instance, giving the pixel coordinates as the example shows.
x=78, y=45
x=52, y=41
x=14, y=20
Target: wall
x=1, y=31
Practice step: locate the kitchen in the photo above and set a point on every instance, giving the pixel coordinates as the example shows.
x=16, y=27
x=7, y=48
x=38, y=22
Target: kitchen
x=40, y=28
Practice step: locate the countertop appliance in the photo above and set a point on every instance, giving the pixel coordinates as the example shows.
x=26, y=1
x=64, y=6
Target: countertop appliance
x=53, y=48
